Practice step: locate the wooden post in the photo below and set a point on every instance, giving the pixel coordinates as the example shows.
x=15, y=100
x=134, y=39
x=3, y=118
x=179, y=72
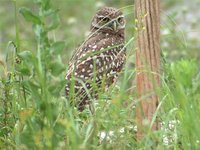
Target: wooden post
x=147, y=62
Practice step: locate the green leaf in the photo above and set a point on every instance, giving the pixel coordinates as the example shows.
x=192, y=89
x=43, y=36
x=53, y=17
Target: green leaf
x=29, y=16
x=57, y=47
x=27, y=64
x=23, y=69
x=55, y=20
x=37, y=30
x=57, y=68
x=46, y=4
x=56, y=90
x=50, y=12
x=25, y=55
x=34, y=88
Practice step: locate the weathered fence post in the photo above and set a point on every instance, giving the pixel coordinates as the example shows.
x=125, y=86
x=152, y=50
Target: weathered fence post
x=147, y=62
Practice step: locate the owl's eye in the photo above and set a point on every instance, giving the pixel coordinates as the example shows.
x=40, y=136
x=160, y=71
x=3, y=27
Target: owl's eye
x=104, y=19
x=120, y=20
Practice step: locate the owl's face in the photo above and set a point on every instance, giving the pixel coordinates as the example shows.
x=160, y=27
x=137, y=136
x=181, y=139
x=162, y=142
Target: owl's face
x=108, y=19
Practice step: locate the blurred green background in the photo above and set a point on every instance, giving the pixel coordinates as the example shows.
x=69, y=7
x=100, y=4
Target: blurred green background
x=31, y=115
x=179, y=25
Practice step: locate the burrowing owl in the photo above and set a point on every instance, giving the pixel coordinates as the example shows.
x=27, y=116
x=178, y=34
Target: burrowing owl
x=97, y=62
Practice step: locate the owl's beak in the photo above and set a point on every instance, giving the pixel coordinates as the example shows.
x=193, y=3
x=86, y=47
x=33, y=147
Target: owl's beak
x=114, y=25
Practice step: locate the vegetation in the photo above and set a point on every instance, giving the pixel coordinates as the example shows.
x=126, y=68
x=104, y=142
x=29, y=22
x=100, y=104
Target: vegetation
x=34, y=113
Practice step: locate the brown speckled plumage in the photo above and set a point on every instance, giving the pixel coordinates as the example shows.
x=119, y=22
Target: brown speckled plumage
x=100, y=57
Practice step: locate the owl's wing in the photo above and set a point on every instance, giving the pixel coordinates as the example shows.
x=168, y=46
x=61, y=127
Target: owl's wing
x=74, y=58
x=102, y=52
x=78, y=52
x=81, y=48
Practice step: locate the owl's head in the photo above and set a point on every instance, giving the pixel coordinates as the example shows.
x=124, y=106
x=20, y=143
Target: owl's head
x=108, y=19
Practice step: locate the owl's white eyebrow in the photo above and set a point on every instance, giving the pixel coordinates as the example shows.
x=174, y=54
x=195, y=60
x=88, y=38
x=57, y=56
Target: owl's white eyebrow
x=103, y=17
x=121, y=16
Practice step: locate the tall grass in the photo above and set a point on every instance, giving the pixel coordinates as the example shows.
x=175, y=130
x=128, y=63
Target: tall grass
x=35, y=114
